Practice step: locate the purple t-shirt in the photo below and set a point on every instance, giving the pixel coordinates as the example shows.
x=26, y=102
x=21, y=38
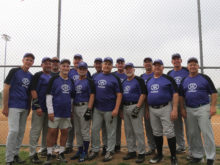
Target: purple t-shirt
x=73, y=74
x=179, y=75
x=122, y=76
x=146, y=76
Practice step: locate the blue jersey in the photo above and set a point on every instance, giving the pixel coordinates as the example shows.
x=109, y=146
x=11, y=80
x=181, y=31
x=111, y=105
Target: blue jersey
x=62, y=92
x=95, y=74
x=196, y=90
x=19, y=92
x=107, y=86
x=178, y=75
x=83, y=89
x=146, y=76
x=133, y=89
x=160, y=90
x=40, y=85
x=73, y=74
x=122, y=76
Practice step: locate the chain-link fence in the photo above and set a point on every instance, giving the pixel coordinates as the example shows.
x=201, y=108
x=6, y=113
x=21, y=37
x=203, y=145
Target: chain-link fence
x=117, y=28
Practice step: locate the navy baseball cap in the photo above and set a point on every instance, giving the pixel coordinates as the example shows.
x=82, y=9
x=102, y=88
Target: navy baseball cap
x=98, y=59
x=129, y=64
x=120, y=59
x=77, y=56
x=83, y=65
x=158, y=61
x=148, y=59
x=192, y=59
x=29, y=55
x=55, y=59
x=108, y=59
x=46, y=59
x=176, y=55
x=65, y=61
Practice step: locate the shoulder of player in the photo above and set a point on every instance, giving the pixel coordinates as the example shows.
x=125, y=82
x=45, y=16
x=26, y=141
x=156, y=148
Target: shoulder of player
x=206, y=77
x=170, y=71
x=168, y=78
x=185, y=68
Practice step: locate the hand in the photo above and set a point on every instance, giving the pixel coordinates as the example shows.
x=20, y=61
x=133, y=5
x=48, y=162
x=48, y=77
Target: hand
x=212, y=110
x=147, y=115
x=5, y=112
x=183, y=113
x=51, y=116
x=135, y=112
x=88, y=114
x=121, y=115
x=174, y=114
x=39, y=112
x=114, y=112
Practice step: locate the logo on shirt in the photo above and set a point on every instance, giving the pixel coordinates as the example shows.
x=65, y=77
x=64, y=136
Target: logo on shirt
x=25, y=82
x=78, y=89
x=121, y=79
x=75, y=77
x=154, y=88
x=127, y=89
x=192, y=87
x=65, y=88
x=178, y=80
x=102, y=83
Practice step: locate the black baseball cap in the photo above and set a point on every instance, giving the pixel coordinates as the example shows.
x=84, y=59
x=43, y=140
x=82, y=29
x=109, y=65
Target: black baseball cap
x=83, y=65
x=192, y=59
x=148, y=59
x=55, y=59
x=77, y=56
x=98, y=59
x=176, y=55
x=46, y=59
x=120, y=59
x=65, y=61
x=29, y=55
x=129, y=64
x=108, y=59
x=158, y=61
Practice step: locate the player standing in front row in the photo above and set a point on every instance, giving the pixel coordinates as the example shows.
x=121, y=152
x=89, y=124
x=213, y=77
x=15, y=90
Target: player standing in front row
x=83, y=104
x=134, y=95
x=59, y=99
x=16, y=106
x=162, y=98
x=107, y=101
x=194, y=91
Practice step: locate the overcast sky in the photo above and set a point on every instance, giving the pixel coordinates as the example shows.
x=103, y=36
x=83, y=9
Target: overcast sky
x=132, y=29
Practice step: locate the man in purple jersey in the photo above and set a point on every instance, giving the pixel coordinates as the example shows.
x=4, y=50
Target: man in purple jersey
x=107, y=101
x=195, y=92
x=162, y=99
x=59, y=99
x=16, y=106
x=148, y=65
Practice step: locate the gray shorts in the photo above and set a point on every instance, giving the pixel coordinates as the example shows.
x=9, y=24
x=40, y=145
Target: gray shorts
x=61, y=123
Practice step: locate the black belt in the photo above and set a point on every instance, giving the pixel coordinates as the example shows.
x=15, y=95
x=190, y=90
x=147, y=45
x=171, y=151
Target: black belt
x=130, y=103
x=159, y=106
x=197, y=106
x=80, y=103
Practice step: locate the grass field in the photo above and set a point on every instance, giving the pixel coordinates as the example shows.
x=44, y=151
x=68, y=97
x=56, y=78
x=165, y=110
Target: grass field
x=116, y=161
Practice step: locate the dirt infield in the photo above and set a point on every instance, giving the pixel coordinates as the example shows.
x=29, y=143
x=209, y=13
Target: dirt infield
x=4, y=130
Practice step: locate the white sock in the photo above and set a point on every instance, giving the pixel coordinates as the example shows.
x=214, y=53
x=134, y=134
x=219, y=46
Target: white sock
x=49, y=150
x=62, y=148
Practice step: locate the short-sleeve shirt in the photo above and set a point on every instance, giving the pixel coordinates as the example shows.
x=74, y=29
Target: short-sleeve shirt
x=122, y=76
x=179, y=75
x=73, y=74
x=107, y=86
x=19, y=92
x=146, y=76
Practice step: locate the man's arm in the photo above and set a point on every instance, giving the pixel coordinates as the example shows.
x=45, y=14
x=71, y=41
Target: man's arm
x=118, y=103
x=182, y=107
x=5, y=99
x=174, y=113
x=35, y=98
x=141, y=100
x=213, y=103
x=91, y=100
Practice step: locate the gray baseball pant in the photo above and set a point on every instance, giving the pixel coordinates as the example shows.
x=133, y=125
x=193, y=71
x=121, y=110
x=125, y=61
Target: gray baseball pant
x=17, y=123
x=198, y=121
x=38, y=124
x=111, y=123
x=134, y=130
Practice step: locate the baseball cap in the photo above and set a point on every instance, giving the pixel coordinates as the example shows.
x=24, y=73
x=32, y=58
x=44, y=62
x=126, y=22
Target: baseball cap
x=148, y=59
x=83, y=65
x=192, y=59
x=98, y=59
x=29, y=55
x=108, y=59
x=55, y=59
x=120, y=59
x=176, y=55
x=129, y=64
x=65, y=61
x=158, y=61
x=77, y=56
x=46, y=59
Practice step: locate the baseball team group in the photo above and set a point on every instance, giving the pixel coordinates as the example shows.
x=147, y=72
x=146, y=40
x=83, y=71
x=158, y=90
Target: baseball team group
x=70, y=102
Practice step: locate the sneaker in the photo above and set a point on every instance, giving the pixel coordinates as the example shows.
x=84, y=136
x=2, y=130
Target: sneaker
x=130, y=155
x=83, y=157
x=156, y=159
x=104, y=150
x=108, y=156
x=18, y=160
x=141, y=158
x=92, y=155
x=117, y=148
x=210, y=162
x=49, y=160
x=196, y=160
x=43, y=152
x=62, y=158
x=56, y=149
x=180, y=150
x=76, y=156
x=173, y=160
x=68, y=150
x=189, y=157
x=150, y=152
x=9, y=163
x=34, y=159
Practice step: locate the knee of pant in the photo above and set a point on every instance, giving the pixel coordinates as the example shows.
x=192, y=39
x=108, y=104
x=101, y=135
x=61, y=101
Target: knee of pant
x=157, y=133
x=13, y=132
x=169, y=134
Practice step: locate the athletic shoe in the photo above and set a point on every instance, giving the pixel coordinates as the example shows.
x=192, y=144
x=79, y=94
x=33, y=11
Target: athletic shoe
x=141, y=158
x=210, y=162
x=76, y=156
x=92, y=155
x=130, y=155
x=9, y=163
x=68, y=150
x=83, y=157
x=117, y=148
x=49, y=160
x=18, y=160
x=150, y=152
x=34, y=159
x=156, y=159
x=108, y=156
x=104, y=150
x=62, y=158
x=180, y=150
x=56, y=149
x=173, y=160
x=196, y=160
x=43, y=152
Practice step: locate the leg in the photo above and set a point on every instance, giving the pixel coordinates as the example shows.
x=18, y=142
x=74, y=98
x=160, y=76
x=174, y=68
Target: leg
x=118, y=134
x=44, y=131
